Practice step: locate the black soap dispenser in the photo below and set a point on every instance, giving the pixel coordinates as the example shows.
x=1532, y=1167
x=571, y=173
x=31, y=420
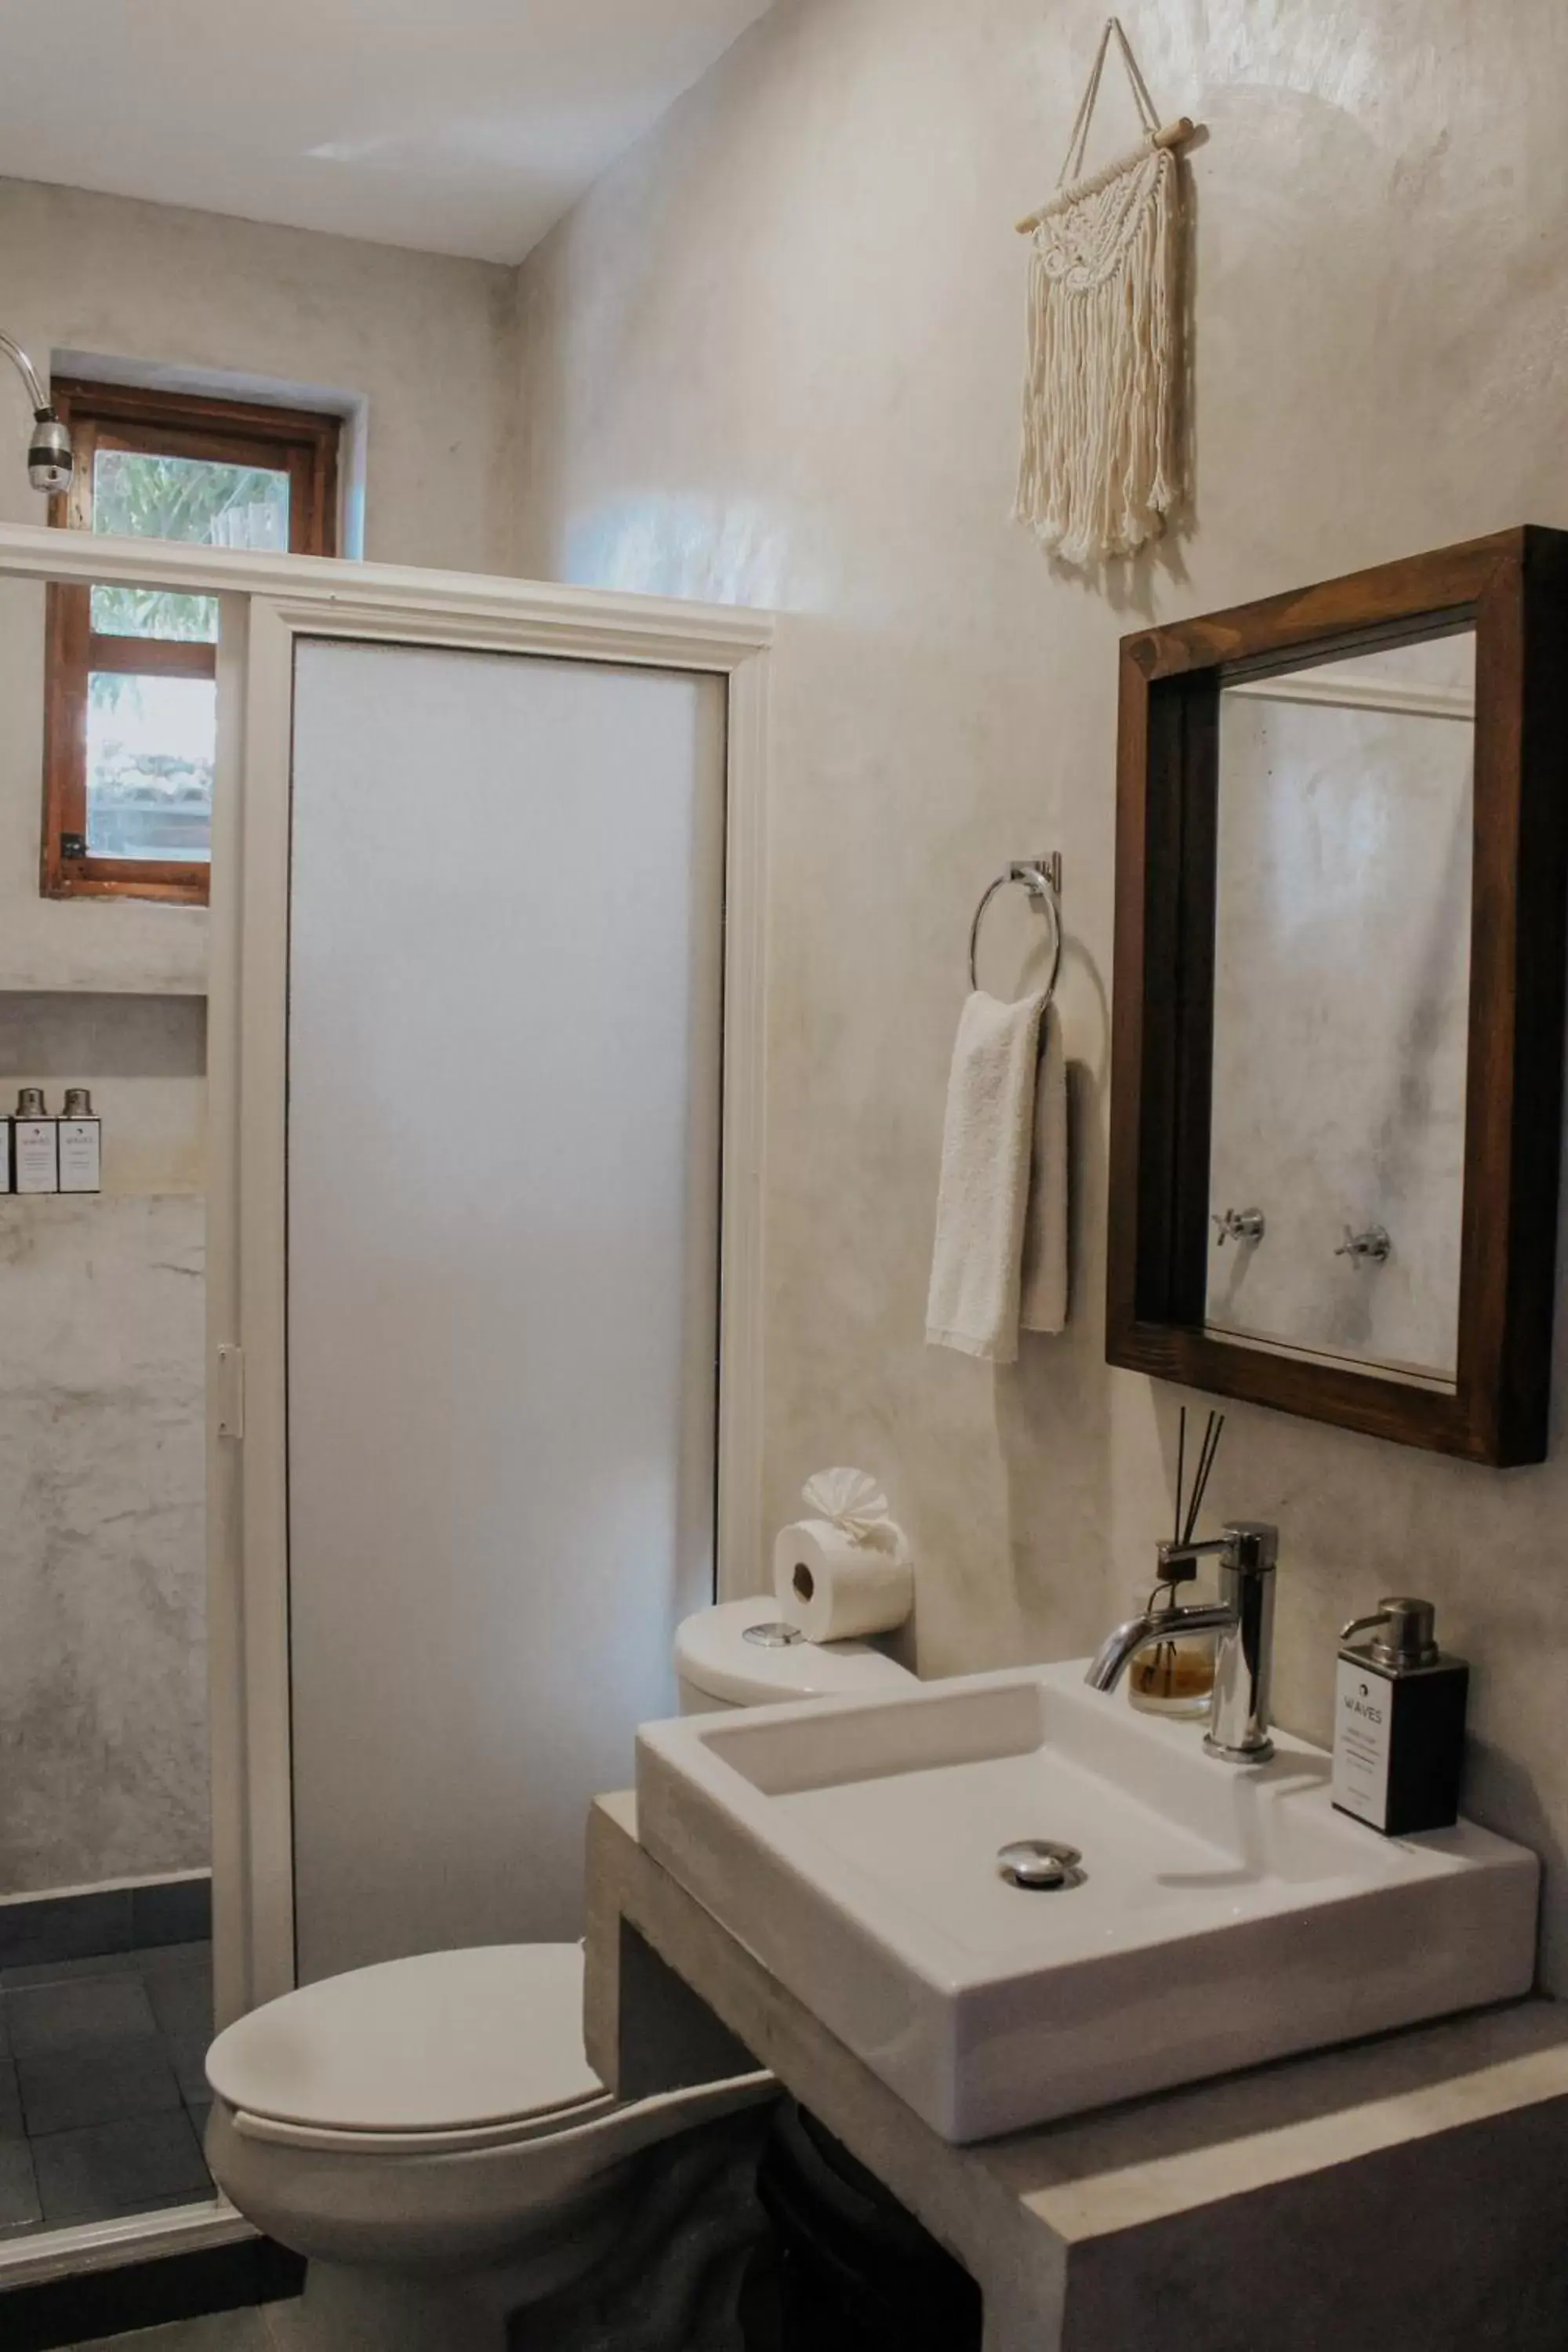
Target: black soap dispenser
x=1399, y=1722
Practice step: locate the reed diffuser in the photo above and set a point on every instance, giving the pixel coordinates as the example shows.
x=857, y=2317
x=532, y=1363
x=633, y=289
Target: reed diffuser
x=1176, y=1677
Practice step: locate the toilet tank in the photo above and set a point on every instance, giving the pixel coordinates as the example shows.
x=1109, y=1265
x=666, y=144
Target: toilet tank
x=741, y=1655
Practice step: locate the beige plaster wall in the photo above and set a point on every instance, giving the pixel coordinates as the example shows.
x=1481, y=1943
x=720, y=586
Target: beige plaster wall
x=775, y=358
x=425, y=340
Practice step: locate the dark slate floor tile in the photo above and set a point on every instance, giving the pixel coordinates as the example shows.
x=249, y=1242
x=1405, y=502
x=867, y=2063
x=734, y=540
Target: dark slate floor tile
x=158, y=1958
x=228, y=2331
x=48, y=1972
x=188, y=2057
x=182, y=1998
x=85, y=2009
x=4, y=2029
x=123, y=2168
x=178, y=1911
x=19, y=2206
x=288, y=2327
x=95, y=2083
x=11, y=2125
x=198, y=2111
x=64, y=1926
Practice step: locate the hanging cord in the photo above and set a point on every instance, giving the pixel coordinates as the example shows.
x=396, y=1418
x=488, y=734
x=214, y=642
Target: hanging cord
x=1077, y=139
x=1155, y=132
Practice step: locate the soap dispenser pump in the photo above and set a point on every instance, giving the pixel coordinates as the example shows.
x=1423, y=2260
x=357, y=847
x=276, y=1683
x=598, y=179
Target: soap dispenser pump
x=1399, y=1721
x=35, y=1144
x=81, y=1152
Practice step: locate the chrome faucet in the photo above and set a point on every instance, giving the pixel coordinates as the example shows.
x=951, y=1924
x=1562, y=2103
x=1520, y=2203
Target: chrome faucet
x=1243, y=1618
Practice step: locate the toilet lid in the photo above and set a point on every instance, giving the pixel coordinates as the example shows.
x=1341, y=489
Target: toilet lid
x=713, y=1654
x=436, y=2043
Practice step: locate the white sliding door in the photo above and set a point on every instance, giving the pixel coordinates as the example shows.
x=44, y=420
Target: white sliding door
x=506, y=936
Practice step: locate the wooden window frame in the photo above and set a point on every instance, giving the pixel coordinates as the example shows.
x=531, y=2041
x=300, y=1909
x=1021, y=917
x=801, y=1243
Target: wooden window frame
x=303, y=443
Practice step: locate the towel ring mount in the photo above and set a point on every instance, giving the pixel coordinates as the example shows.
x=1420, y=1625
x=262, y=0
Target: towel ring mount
x=1042, y=878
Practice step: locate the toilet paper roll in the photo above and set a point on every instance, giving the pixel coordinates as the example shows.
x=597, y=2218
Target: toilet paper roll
x=834, y=1588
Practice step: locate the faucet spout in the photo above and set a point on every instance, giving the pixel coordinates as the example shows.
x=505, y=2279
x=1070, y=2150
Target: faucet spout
x=1120, y=1646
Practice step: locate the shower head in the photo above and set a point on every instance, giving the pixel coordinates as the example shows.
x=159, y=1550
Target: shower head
x=49, y=463
x=50, y=450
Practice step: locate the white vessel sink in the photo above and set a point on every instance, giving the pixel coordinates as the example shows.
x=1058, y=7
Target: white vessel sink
x=1225, y=1916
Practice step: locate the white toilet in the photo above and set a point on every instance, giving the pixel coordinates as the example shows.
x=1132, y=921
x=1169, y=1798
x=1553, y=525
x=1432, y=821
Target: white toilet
x=429, y=2132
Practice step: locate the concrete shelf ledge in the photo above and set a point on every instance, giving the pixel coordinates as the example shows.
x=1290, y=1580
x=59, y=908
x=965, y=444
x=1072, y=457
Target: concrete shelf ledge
x=1406, y=2194
x=94, y=985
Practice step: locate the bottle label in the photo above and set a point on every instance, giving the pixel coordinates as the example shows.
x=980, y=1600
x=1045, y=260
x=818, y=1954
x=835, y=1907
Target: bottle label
x=37, y=1155
x=79, y=1157
x=1363, y=1726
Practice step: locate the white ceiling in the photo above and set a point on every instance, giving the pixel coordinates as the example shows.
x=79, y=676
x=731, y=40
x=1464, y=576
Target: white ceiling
x=459, y=126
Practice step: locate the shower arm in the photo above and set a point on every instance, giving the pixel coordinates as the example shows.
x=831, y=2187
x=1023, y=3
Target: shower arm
x=50, y=464
x=42, y=406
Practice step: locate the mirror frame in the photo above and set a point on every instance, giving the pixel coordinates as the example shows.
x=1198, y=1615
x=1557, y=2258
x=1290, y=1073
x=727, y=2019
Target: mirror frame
x=1512, y=590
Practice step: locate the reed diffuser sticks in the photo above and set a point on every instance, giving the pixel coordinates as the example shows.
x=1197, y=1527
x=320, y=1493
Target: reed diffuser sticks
x=1177, y=1675
x=1206, y=1451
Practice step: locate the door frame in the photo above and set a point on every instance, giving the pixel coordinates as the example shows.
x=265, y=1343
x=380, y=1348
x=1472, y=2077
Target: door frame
x=266, y=603
x=250, y=1008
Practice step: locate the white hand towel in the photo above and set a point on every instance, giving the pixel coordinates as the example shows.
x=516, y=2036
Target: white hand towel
x=999, y=1100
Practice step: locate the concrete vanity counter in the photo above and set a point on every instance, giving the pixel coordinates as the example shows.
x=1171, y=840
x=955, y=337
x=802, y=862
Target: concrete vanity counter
x=1408, y=2194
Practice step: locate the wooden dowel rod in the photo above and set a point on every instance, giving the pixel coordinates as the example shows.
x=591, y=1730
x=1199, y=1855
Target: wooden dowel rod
x=1169, y=134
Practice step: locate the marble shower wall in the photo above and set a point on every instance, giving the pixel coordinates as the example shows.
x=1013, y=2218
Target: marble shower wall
x=103, y=1658
x=103, y=1664
x=775, y=358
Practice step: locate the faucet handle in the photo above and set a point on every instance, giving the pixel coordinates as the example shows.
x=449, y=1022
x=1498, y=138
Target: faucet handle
x=1251, y=1546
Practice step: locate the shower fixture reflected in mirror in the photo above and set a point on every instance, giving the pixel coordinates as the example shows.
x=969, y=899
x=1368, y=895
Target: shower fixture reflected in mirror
x=50, y=450
x=1239, y=1226
x=1371, y=1248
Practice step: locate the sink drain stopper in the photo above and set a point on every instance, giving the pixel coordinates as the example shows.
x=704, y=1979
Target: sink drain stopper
x=1041, y=1865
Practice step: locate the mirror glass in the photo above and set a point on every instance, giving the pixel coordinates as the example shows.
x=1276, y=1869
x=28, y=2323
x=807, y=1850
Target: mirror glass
x=1341, y=983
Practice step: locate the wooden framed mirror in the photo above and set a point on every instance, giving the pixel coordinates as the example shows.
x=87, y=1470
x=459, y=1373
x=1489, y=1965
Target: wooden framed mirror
x=1337, y=1065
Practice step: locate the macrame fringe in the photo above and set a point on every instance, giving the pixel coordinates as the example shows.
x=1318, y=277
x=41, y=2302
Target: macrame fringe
x=1099, y=474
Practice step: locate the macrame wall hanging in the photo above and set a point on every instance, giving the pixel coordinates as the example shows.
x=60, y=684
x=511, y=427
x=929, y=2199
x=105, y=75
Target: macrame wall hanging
x=1100, y=469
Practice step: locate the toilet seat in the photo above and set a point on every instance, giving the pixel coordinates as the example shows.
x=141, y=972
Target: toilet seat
x=438, y=2053
x=556, y=2123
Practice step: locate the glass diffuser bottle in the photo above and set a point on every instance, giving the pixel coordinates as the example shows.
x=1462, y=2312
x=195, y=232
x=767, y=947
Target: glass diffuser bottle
x=1173, y=1677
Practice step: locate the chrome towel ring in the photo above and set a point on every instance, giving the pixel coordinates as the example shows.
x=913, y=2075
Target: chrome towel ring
x=1042, y=878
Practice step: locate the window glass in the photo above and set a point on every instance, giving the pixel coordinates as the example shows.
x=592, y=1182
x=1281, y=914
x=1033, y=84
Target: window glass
x=137, y=494
x=150, y=748
x=130, y=695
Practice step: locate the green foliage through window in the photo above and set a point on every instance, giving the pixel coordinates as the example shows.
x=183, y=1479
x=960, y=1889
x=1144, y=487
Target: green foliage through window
x=139, y=495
